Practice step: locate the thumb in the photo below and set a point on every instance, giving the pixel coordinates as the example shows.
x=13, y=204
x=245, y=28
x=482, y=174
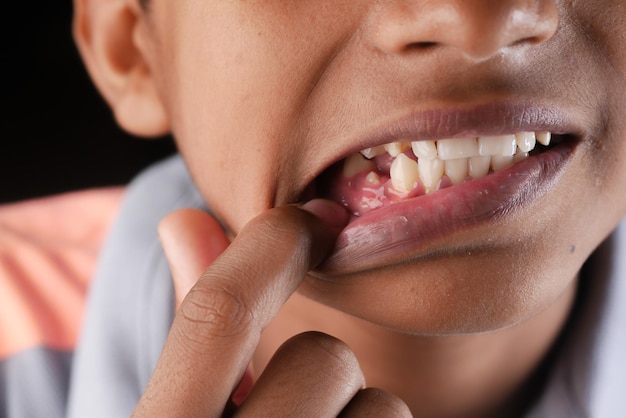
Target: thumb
x=192, y=240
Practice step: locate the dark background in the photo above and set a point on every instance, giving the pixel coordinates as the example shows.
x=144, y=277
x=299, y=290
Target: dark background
x=57, y=133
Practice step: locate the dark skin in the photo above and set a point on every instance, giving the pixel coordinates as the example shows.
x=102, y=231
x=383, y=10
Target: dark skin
x=222, y=314
x=262, y=96
x=220, y=320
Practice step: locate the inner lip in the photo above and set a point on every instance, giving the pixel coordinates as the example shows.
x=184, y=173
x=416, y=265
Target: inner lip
x=334, y=185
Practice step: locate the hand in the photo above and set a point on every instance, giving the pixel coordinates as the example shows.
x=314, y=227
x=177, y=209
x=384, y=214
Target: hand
x=219, y=322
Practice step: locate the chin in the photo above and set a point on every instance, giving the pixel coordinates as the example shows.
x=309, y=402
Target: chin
x=464, y=291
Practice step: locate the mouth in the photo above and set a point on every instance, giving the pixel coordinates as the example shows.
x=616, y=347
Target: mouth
x=386, y=174
x=406, y=193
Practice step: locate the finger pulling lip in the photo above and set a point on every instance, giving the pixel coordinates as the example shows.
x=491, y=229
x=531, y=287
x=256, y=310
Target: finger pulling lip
x=405, y=229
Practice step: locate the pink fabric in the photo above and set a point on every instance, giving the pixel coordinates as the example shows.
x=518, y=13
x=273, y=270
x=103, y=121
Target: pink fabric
x=48, y=252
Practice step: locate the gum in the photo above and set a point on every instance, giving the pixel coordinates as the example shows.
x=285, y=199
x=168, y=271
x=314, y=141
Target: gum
x=360, y=196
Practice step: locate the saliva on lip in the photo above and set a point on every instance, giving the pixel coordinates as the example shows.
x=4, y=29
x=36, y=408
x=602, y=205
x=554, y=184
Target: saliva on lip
x=380, y=176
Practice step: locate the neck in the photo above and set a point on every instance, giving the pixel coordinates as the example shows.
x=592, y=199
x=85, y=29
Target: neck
x=478, y=375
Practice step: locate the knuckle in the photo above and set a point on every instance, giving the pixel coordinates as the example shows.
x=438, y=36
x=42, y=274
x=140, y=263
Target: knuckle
x=215, y=312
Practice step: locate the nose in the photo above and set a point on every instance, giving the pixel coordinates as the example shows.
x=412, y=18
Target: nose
x=478, y=29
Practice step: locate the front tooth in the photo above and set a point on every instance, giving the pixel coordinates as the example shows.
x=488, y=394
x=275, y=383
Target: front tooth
x=544, y=138
x=479, y=166
x=404, y=174
x=396, y=148
x=451, y=149
x=456, y=170
x=430, y=173
x=526, y=141
x=504, y=145
x=498, y=162
x=355, y=164
x=424, y=149
x=370, y=153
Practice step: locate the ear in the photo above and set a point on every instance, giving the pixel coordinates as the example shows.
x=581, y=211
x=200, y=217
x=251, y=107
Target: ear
x=110, y=35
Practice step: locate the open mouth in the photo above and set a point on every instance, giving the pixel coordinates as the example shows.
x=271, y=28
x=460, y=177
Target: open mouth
x=437, y=174
x=404, y=195
x=375, y=178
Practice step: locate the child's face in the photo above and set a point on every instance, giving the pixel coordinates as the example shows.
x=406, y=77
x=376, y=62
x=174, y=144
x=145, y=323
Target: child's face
x=264, y=96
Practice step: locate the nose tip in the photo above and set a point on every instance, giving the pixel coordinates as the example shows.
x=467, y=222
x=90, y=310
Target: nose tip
x=477, y=29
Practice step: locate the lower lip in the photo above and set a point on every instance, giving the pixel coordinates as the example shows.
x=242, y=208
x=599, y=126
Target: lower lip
x=404, y=230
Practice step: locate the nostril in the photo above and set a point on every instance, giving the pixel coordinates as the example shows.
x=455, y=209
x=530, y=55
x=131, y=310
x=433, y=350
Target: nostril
x=421, y=46
x=533, y=40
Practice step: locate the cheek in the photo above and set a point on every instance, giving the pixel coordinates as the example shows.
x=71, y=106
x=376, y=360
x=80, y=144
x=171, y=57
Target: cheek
x=236, y=185
x=237, y=80
x=234, y=97
x=600, y=179
x=604, y=40
x=223, y=124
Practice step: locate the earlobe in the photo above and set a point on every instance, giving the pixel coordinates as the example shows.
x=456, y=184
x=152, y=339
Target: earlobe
x=105, y=32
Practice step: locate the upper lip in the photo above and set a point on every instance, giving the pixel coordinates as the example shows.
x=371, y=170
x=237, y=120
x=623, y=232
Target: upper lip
x=495, y=118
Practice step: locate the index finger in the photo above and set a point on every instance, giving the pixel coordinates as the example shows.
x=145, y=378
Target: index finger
x=219, y=323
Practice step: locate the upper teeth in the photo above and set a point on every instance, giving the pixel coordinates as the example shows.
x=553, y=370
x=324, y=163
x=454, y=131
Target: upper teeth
x=457, y=158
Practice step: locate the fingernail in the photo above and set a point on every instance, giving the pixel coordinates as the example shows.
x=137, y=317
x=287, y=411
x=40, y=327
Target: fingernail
x=328, y=211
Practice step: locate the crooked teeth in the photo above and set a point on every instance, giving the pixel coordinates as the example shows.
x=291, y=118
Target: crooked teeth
x=370, y=153
x=455, y=148
x=424, y=149
x=457, y=158
x=404, y=174
x=430, y=173
x=396, y=148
